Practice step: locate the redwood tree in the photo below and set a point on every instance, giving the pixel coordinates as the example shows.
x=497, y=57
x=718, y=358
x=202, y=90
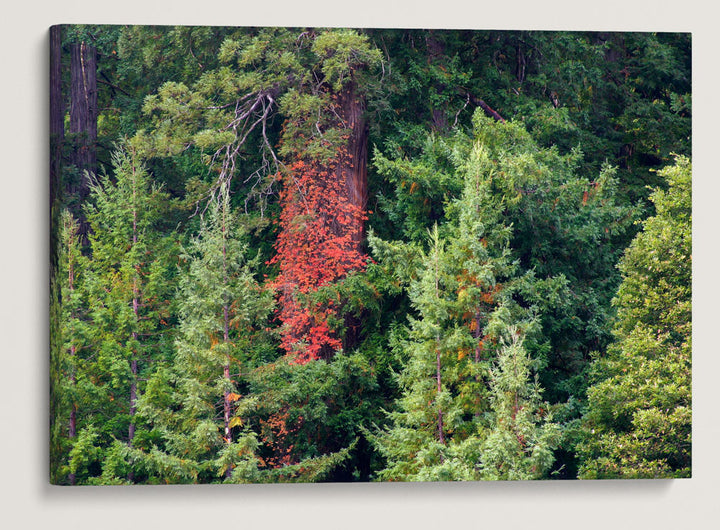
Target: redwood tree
x=56, y=110
x=83, y=111
x=324, y=193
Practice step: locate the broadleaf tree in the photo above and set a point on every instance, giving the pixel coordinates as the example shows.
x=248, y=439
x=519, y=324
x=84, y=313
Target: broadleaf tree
x=639, y=417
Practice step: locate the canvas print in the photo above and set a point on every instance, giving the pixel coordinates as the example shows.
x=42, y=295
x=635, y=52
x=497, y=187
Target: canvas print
x=354, y=255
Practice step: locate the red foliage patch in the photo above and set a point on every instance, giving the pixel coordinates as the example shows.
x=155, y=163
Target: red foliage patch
x=317, y=245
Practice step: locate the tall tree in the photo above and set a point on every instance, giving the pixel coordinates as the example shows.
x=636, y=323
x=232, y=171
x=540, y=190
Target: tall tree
x=461, y=289
x=83, y=115
x=638, y=421
x=130, y=281
x=416, y=443
x=191, y=403
x=313, y=79
x=69, y=353
x=324, y=193
x=57, y=112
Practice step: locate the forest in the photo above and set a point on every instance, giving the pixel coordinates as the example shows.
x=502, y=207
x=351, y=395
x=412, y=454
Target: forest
x=354, y=255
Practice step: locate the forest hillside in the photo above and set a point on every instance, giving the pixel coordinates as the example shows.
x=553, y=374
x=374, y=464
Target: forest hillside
x=334, y=255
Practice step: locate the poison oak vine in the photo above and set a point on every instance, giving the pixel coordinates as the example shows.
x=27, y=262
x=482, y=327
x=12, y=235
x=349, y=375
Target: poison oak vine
x=317, y=245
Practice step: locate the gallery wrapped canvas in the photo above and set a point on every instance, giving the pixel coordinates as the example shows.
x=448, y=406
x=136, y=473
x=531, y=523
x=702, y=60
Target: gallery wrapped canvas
x=332, y=255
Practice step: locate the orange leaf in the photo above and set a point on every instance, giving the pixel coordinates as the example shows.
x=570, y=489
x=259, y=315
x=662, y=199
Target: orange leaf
x=232, y=396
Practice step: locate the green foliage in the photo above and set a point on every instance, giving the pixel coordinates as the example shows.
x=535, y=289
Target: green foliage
x=421, y=187
x=521, y=443
x=461, y=290
x=507, y=325
x=117, y=304
x=343, y=51
x=638, y=423
x=222, y=310
x=68, y=315
x=308, y=411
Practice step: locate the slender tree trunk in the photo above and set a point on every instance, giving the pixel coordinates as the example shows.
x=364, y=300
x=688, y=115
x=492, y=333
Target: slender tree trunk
x=477, y=335
x=133, y=395
x=72, y=427
x=226, y=393
x=226, y=338
x=226, y=375
x=438, y=376
x=441, y=434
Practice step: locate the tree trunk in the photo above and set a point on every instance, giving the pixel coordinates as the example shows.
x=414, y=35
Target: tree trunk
x=72, y=427
x=441, y=434
x=133, y=397
x=226, y=340
x=83, y=104
x=353, y=166
x=56, y=111
x=83, y=122
x=489, y=111
x=521, y=62
x=135, y=308
x=438, y=376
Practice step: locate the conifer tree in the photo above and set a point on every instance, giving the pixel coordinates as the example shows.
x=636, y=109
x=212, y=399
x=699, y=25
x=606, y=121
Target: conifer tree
x=316, y=247
x=522, y=437
x=428, y=410
x=638, y=421
x=70, y=352
x=324, y=191
x=509, y=168
x=128, y=284
x=313, y=79
x=190, y=404
x=567, y=232
x=309, y=417
x=457, y=288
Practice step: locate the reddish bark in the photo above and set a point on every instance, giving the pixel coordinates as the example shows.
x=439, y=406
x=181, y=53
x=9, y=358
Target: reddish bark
x=352, y=167
x=83, y=122
x=487, y=109
x=83, y=106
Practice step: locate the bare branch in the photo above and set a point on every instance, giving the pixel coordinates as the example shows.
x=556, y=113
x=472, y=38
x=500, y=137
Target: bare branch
x=457, y=115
